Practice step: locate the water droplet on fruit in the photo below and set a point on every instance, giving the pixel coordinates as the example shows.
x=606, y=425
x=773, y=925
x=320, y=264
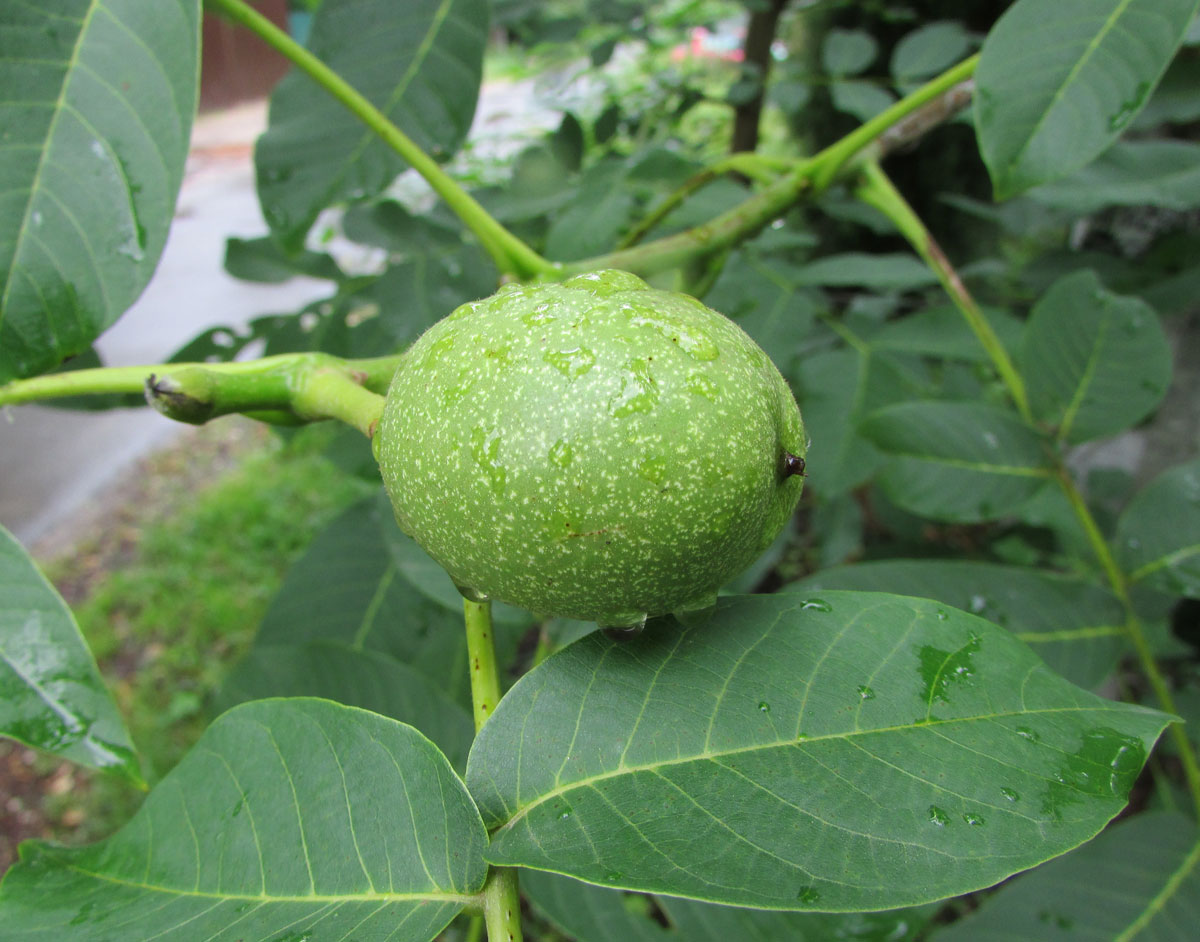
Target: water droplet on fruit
x=468, y=593
x=624, y=628
x=695, y=343
x=938, y=816
x=561, y=454
x=815, y=605
x=571, y=363
x=653, y=470
x=701, y=385
x=639, y=393
x=485, y=449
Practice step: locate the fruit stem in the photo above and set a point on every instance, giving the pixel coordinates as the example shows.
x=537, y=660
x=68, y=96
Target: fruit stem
x=290, y=388
x=511, y=255
x=876, y=189
x=501, y=898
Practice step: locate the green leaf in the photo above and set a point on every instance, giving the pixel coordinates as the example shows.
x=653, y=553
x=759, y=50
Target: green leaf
x=835, y=389
x=355, y=677
x=1158, y=535
x=859, y=98
x=931, y=49
x=289, y=819
x=52, y=696
x=881, y=272
x=848, y=51
x=943, y=332
x=1162, y=173
x=419, y=62
x=1095, y=363
x=759, y=295
x=97, y=102
x=1058, y=82
x=594, y=914
x=351, y=588
x=261, y=260
x=957, y=461
x=598, y=210
x=1138, y=880
x=1074, y=626
x=853, y=751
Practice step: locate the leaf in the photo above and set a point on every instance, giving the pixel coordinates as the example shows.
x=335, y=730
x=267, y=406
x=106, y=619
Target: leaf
x=759, y=296
x=859, y=98
x=98, y=100
x=598, y=210
x=1074, y=626
x=881, y=272
x=942, y=332
x=1162, y=173
x=289, y=819
x=1058, y=82
x=52, y=696
x=1158, y=535
x=835, y=388
x=360, y=678
x=848, y=51
x=928, y=50
x=349, y=588
x=1095, y=363
x=1137, y=880
x=261, y=260
x=419, y=62
x=957, y=461
x=595, y=914
x=856, y=751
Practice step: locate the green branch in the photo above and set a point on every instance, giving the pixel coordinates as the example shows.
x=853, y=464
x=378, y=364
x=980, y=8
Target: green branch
x=878, y=191
x=290, y=388
x=511, y=255
x=1133, y=629
x=808, y=178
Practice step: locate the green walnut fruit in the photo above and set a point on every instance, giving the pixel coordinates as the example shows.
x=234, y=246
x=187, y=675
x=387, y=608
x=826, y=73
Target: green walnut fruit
x=596, y=449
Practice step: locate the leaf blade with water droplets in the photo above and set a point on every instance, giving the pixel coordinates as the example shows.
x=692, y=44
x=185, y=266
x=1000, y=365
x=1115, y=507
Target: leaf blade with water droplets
x=739, y=761
x=52, y=696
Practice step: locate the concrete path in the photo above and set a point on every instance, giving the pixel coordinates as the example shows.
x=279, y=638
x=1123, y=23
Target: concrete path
x=54, y=462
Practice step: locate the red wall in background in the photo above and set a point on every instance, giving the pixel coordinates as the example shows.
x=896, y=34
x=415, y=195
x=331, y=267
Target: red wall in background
x=235, y=64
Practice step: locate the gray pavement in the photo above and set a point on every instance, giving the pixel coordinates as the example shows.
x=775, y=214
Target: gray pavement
x=55, y=464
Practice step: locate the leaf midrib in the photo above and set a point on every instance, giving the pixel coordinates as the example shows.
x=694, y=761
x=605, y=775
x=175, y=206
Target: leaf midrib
x=373, y=896
x=707, y=755
x=1084, y=59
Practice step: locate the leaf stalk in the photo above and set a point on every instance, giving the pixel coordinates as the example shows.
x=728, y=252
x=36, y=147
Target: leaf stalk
x=511, y=255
